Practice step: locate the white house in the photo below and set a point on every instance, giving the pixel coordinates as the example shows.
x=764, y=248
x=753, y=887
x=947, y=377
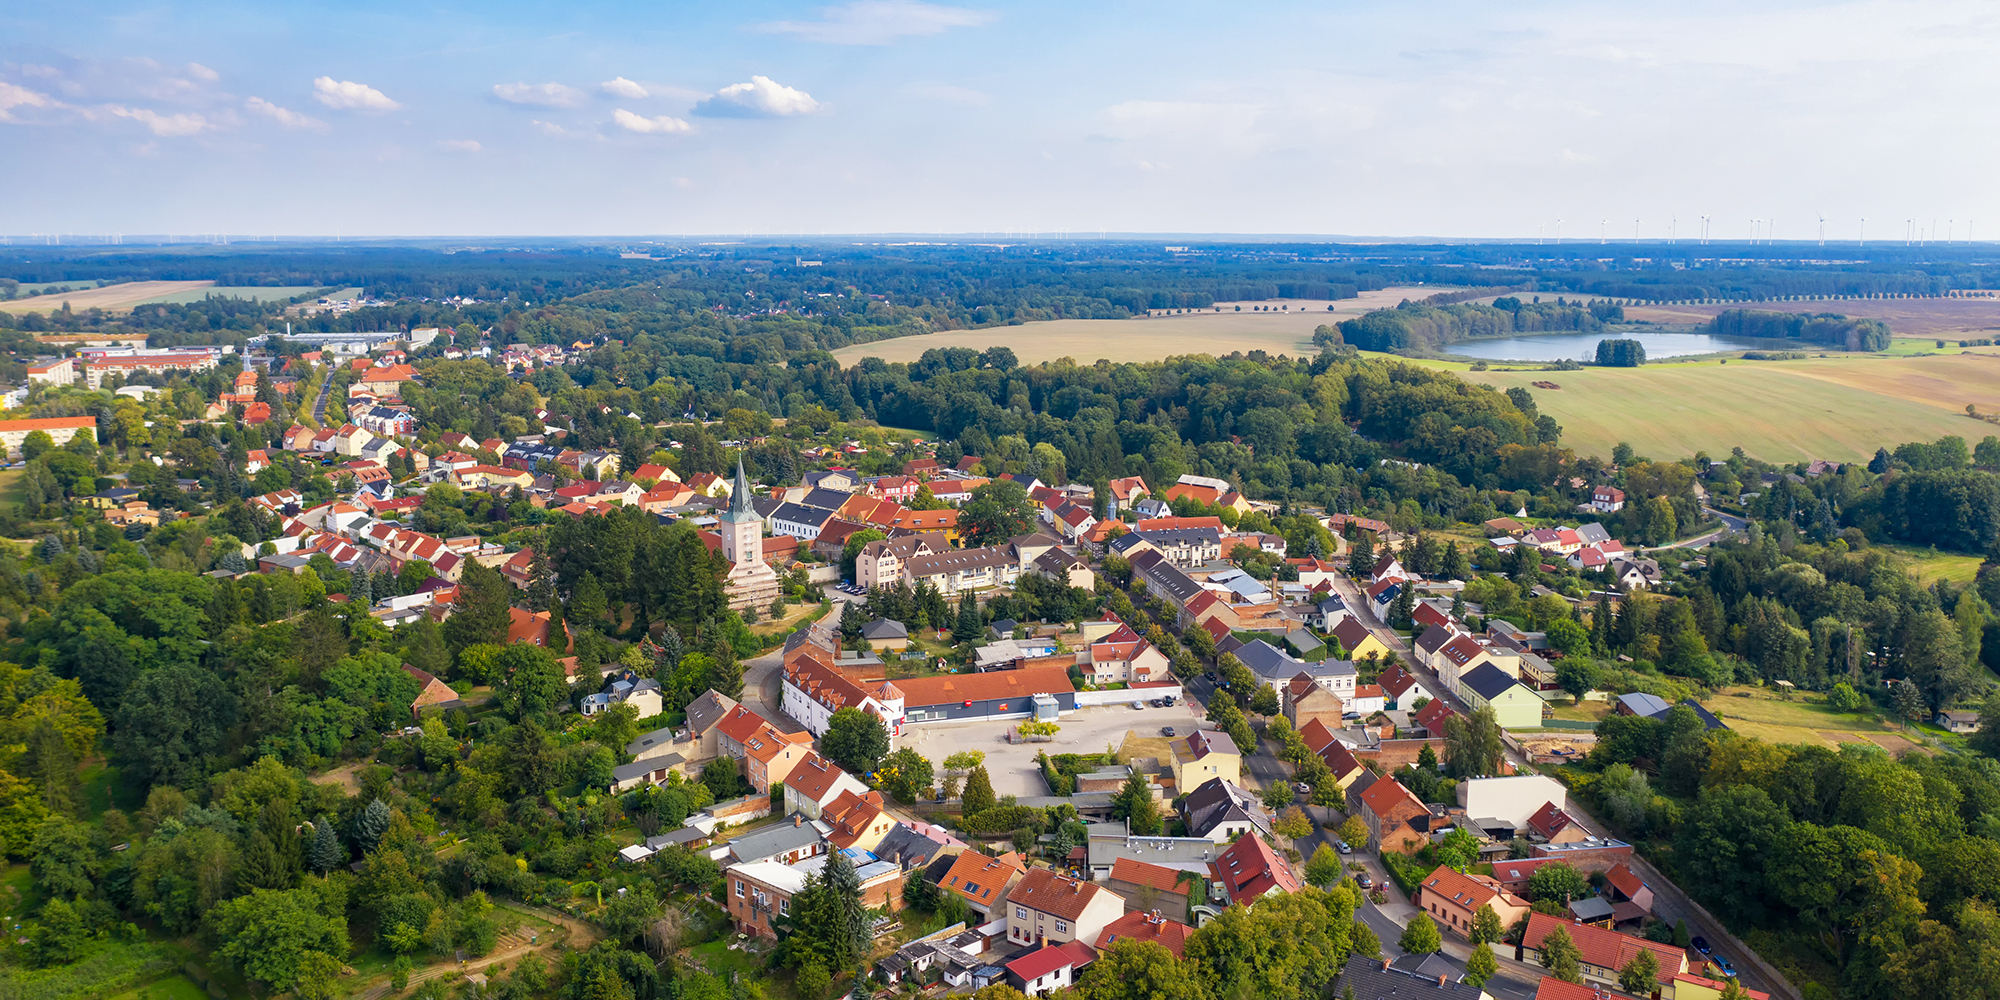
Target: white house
x=1608, y=499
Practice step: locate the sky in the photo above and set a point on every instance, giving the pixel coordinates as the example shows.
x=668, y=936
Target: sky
x=1367, y=119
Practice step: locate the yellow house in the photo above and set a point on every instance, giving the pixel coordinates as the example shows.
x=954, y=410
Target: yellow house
x=1688, y=986
x=1205, y=754
x=1358, y=641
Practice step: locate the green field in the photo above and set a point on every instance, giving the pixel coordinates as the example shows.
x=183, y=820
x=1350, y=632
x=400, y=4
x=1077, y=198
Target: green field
x=1930, y=565
x=1803, y=718
x=172, y=988
x=252, y=292
x=1837, y=408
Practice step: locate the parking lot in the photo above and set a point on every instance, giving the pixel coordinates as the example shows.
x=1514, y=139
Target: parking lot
x=1012, y=767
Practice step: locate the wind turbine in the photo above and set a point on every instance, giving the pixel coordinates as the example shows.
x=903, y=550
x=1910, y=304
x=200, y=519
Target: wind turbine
x=1601, y=224
x=1822, y=229
x=1864, y=230
x=1559, y=232
x=1673, y=223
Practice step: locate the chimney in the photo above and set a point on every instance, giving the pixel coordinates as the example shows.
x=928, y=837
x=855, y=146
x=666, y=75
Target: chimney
x=797, y=820
x=1441, y=979
x=1385, y=965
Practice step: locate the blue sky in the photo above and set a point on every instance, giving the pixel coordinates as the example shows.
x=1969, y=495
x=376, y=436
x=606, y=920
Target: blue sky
x=1387, y=119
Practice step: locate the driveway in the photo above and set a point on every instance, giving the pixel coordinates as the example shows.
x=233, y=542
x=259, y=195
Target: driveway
x=1012, y=767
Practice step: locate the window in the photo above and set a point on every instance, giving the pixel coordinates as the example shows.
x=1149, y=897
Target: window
x=784, y=907
x=739, y=888
x=1020, y=914
x=1062, y=928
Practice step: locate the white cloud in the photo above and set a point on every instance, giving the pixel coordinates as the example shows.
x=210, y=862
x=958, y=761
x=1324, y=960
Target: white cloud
x=459, y=145
x=346, y=95
x=949, y=94
x=203, y=73
x=762, y=97
x=879, y=22
x=12, y=96
x=546, y=95
x=550, y=128
x=662, y=125
x=618, y=86
x=284, y=116
x=169, y=125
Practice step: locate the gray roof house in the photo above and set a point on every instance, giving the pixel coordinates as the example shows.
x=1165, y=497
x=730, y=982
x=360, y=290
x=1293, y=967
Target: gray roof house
x=1218, y=810
x=785, y=843
x=884, y=629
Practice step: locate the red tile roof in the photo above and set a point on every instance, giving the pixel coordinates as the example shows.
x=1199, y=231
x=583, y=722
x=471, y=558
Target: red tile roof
x=1389, y=800
x=1432, y=716
x=1054, y=893
x=1606, y=949
x=1149, y=875
x=1549, y=820
x=1250, y=869
x=1468, y=891
x=1624, y=879
x=1396, y=680
x=815, y=777
x=1718, y=986
x=1142, y=926
x=981, y=878
x=995, y=686
x=1050, y=958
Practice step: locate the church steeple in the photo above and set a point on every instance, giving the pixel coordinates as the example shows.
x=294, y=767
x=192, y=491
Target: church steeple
x=739, y=498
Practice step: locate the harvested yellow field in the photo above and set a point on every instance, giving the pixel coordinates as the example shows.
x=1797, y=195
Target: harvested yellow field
x=1150, y=338
x=111, y=298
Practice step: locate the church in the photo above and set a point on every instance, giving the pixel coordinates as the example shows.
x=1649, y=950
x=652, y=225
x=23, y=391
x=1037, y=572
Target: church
x=751, y=583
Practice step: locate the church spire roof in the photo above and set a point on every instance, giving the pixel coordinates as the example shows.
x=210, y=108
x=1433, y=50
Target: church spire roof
x=739, y=498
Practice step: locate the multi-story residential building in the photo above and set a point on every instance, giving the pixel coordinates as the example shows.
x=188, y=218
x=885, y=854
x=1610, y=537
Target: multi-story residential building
x=1049, y=907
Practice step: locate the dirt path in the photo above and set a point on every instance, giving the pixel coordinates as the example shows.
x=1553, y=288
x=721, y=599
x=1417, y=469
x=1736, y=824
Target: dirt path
x=512, y=945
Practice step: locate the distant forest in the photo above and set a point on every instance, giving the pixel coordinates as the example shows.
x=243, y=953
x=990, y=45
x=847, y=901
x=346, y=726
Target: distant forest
x=1417, y=327
x=1829, y=329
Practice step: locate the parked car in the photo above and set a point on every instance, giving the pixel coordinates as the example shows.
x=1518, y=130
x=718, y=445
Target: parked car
x=1303, y=788
x=1701, y=944
x=1166, y=730
x=1364, y=880
x=1343, y=847
x=1728, y=971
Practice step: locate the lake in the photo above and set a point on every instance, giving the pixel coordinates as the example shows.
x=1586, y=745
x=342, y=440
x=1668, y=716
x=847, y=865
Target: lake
x=1583, y=346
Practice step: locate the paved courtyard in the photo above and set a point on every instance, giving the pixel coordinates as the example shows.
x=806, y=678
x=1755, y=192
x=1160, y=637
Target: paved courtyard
x=1013, y=769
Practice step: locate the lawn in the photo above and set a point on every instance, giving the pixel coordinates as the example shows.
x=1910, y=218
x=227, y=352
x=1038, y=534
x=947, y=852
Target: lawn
x=171, y=988
x=1835, y=408
x=1589, y=711
x=1930, y=565
x=1806, y=719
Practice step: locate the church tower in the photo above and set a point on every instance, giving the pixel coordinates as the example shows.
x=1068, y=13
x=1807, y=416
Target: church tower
x=751, y=583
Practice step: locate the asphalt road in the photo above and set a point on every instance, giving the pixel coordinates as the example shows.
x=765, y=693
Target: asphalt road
x=319, y=405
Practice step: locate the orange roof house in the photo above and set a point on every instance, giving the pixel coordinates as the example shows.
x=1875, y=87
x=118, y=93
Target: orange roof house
x=983, y=881
x=1250, y=869
x=1397, y=820
x=1604, y=952
x=1454, y=898
x=858, y=821
x=1141, y=925
x=436, y=694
